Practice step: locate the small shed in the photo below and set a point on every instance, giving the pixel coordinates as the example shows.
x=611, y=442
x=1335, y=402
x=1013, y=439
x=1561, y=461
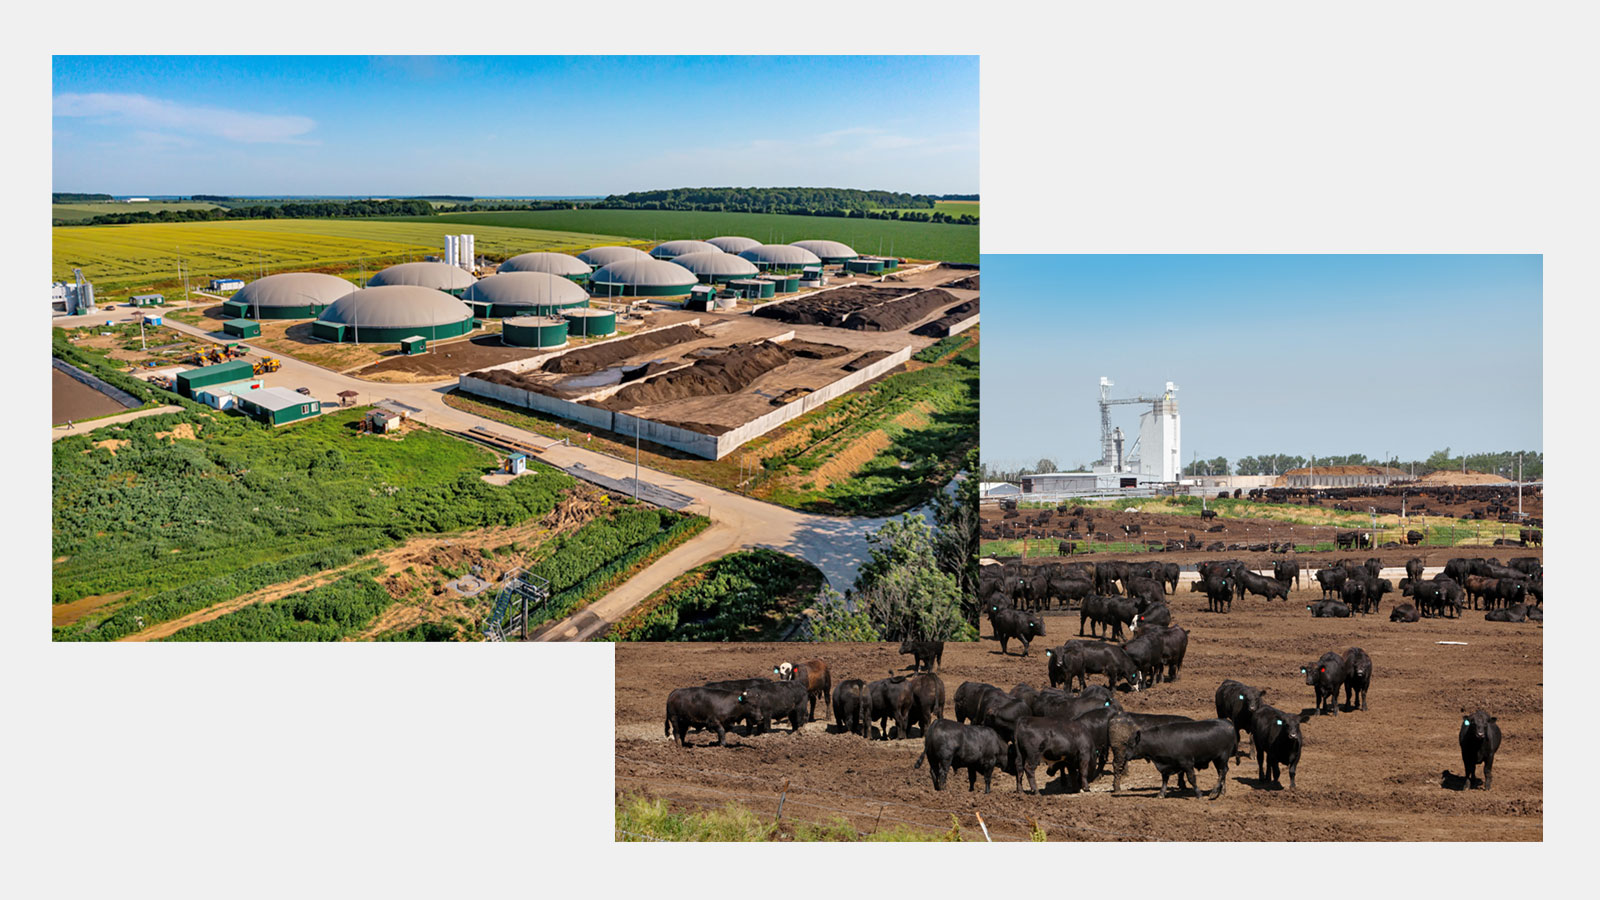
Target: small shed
x=223, y=285
x=414, y=345
x=383, y=421
x=516, y=463
x=279, y=406
x=242, y=328
x=147, y=300
x=205, y=376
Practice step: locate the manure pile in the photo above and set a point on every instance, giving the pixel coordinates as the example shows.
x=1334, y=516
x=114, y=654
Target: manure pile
x=726, y=373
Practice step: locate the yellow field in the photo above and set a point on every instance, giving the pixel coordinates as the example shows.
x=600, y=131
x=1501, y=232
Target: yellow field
x=115, y=256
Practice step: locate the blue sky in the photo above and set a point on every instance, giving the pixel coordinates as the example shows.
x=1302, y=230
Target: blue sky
x=1374, y=354
x=512, y=125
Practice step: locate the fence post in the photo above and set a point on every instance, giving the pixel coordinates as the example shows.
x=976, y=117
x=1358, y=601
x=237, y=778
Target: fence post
x=783, y=794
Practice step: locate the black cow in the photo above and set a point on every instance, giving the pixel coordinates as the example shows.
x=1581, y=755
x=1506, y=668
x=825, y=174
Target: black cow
x=1174, y=647
x=1414, y=568
x=924, y=654
x=1080, y=659
x=1414, y=537
x=1331, y=579
x=1183, y=747
x=1263, y=587
x=1517, y=613
x=852, y=707
x=1149, y=590
x=1286, y=570
x=1480, y=740
x=1276, y=736
x=891, y=698
x=1357, y=678
x=1237, y=703
x=777, y=700
x=1405, y=612
x=1326, y=676
x=1107, y=612
x=948, y=745
x=1120, y=728
x=1208, y=514
x=1157, y=615
x=1329, y=609
x=927, y=696
x=1219, y=590
x=703, y=708
x=1014, y=623
x=973, y=698
x=1037, y=739
x=1145, y=651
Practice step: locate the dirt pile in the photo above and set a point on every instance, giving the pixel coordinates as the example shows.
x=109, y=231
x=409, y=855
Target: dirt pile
x=727, y=373
x=1462, y=478
x=833, y=308
x=952, y=317
x=513, y=379
x=609, y=353
x=814, y=350
x=969, y=283
x=898, y=314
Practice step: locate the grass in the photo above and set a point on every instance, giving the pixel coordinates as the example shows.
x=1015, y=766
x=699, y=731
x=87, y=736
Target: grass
x=879, y=486
x=181, y=524
x=751, y=595
x=145, y=256
x=913, y=240
x=948, y=207
x=641, y=818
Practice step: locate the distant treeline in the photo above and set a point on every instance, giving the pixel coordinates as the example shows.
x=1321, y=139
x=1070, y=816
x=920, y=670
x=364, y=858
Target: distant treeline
x=80, y=198
x=1498, y=462
x=968, y=198
x=321, y=209
x=449, y=197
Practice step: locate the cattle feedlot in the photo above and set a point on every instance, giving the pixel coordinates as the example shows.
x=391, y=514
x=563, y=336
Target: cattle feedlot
x=1391, y=772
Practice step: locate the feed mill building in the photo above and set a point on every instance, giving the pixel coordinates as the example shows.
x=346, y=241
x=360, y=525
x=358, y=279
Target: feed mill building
x=288, y=295
x=392, y=313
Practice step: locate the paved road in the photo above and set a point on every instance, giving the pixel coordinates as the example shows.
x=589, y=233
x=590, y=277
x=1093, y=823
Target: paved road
x=835, y=544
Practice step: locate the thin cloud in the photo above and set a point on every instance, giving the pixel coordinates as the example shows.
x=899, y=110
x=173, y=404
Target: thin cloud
x=150, y=114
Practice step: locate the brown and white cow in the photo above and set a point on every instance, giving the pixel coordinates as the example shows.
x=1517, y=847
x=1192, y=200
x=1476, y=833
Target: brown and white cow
x=814, y=674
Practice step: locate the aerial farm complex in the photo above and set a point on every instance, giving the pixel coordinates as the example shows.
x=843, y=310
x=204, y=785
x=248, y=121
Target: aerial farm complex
x=786, y=387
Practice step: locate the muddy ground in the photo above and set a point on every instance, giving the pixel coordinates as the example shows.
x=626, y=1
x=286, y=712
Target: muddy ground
x=1374, y=775
x=1235, y=532
x=74, y=400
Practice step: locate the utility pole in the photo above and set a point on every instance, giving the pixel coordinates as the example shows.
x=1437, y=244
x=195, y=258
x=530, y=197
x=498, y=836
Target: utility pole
x=635, y=459
x=1519, y=485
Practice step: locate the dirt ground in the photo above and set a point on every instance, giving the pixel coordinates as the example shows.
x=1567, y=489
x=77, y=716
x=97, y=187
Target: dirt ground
x=1239, y=532
x=72, y=399
x=1374, y=775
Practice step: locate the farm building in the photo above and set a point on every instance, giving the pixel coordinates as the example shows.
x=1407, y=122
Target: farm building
x=605, y=256
x=207, y=376
x=830, y=252
x=277, y=406
x=675, y=249
x=734, y=245
x=524, y=294
x=535, y=331
x=241, y=328
x=715, y=266
x=591, y=322
x=560, y=264
x=287, y=295
x=224, y=396
x=998, y=489
x=226, y=285
x=1343, y=476
x=781, y=257
x=642, y=278
x=389, y=314
x=437, y=275
x=147, y=300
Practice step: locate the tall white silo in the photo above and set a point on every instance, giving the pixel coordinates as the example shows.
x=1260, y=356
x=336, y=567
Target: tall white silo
x=1160, y=451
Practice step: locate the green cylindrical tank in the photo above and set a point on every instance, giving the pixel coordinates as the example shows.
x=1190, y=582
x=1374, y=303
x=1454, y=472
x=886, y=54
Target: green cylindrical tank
x=592, y=322
x=783, y=284
x=534, y=331
x=754, y=289
x=869, y=266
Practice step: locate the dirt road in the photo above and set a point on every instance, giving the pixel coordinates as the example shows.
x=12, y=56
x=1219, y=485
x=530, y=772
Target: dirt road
x=1373, y=775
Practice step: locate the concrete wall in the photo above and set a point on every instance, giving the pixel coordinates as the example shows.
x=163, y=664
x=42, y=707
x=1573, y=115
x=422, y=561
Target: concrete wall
x=962, y=325
x=121, y=396
x=537, y=362
x=555, y=406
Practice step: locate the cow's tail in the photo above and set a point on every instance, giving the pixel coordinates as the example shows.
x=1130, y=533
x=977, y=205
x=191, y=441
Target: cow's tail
x=920, y=757
x=668, y=725
x=827, y=688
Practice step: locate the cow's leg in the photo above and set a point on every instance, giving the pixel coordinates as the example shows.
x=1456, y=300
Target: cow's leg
x=988, y=775
x=1164, y=777
x=1488, y=772
x=1222, y=776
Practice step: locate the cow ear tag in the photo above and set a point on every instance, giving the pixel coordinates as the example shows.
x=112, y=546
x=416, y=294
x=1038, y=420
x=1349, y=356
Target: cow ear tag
x=1280, y=721
x=1466, y=721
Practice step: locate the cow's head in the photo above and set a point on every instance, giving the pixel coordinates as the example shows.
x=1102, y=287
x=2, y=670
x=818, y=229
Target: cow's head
x=784, y=671
x=1476, y=724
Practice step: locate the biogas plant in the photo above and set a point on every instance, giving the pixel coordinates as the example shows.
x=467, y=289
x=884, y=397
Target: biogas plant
x=699, y=346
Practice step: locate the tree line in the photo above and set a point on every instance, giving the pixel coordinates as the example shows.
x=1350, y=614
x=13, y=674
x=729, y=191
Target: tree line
x=315, y=209
x=1496, y=462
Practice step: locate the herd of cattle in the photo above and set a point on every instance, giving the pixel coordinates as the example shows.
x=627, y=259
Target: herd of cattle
x=1073, y=733
x=1115, y=593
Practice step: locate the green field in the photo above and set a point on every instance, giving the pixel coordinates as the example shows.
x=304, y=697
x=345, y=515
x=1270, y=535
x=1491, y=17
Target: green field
x=948, y=207
x=130, y=256
x=79, y=212
x=914, y=240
